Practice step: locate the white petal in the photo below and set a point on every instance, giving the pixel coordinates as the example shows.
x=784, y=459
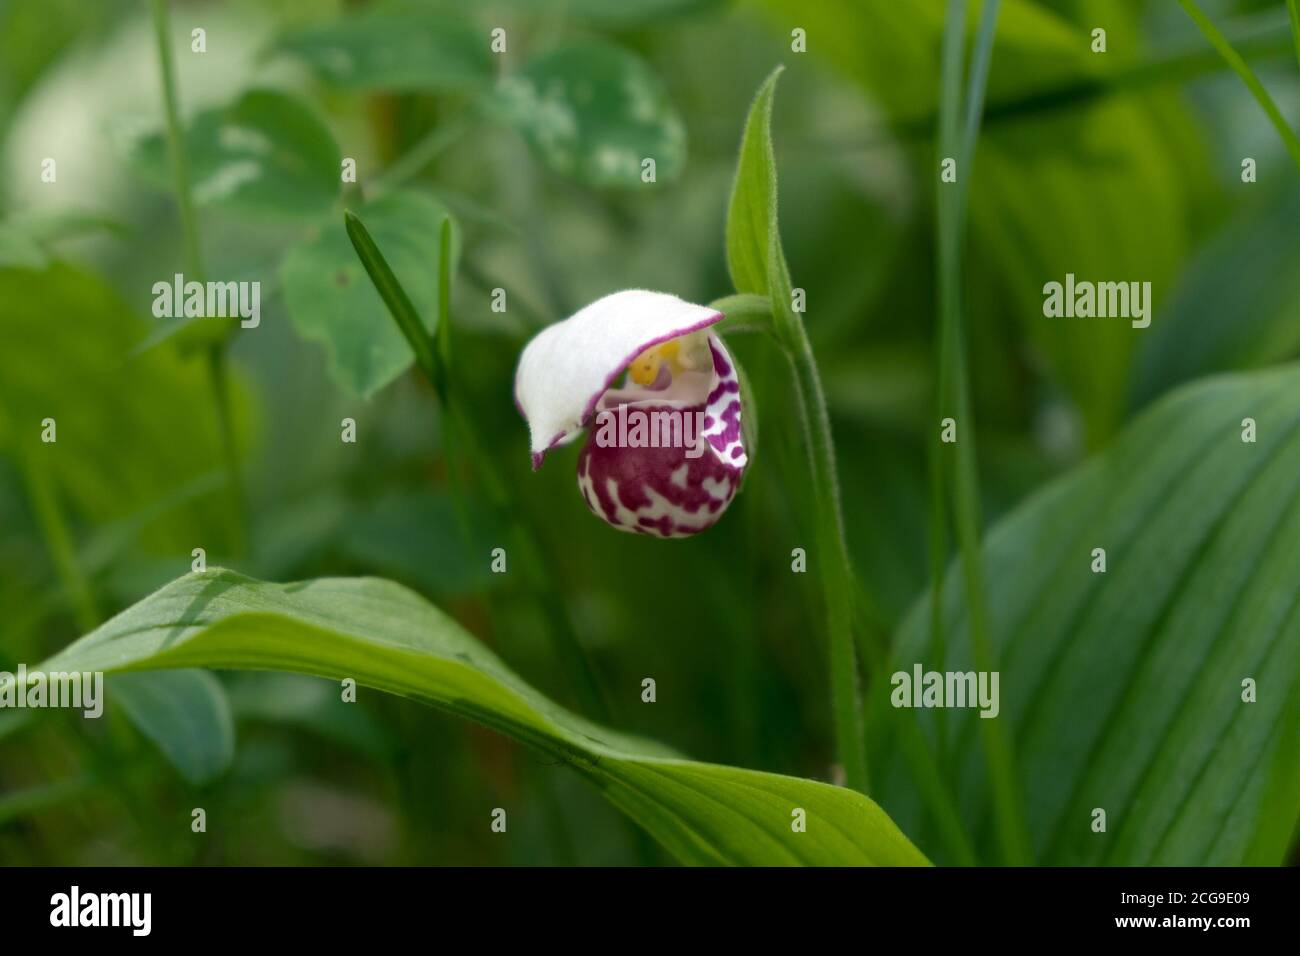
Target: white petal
x=567, y=366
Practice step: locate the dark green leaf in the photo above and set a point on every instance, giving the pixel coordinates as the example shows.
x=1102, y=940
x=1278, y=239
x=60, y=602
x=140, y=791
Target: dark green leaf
x=1123, y=689
x=1237, y=305
x=185, y=713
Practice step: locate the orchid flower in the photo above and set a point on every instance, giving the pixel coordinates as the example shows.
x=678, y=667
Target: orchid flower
x=667, y=452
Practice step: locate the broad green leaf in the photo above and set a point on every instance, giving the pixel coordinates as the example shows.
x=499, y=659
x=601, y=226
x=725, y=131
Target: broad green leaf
x=1124, y=689
x=389, y=638
x=1236, y=306
x=331, y=300
x=595, y=113
x=394, y=50
x=265, y=153
x=185, y=713
x=751, y=216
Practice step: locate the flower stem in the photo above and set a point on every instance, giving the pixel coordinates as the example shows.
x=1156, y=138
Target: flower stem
x=836, y=573
x=217, y=372
x=44, y=497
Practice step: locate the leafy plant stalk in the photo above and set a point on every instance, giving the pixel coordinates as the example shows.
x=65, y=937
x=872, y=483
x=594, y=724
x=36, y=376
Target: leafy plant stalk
x=758, y=268
x=218, y=374
x=836, y=575
x=432, y=357
x=1243, y=70
x=957, y=140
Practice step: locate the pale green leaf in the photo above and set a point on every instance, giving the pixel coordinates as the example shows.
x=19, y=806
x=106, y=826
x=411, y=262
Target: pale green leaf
x=751, y=215
x=595, y=113
x=265, y=153
x=331, y=300
x=387, y=637
x=394, y=50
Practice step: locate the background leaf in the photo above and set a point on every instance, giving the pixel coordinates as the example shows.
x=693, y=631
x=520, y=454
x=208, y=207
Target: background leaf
x=1124, y=689
x=385, y=636
x=119, y=449
x=594, y=112
x=331, y=300
x=394, y=50
x=184, y=712
x=1237, y=305
x=265, y=153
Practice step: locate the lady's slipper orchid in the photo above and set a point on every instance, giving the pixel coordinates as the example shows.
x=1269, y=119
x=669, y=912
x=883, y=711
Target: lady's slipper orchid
x=666, y=453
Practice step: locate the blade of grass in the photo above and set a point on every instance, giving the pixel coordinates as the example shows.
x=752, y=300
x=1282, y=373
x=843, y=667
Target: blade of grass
x=954, y=394
x=399, y=304
x=1261, y=36
x=1293, y=10
x=1243, y=70
x=442, y=333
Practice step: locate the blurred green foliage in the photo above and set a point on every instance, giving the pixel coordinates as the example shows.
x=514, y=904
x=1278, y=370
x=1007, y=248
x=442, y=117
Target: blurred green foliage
x=1085, y=164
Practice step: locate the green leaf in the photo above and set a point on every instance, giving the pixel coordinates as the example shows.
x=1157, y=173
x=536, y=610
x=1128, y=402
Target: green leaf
x=266, y=153
x=389, y=638
x=751, y=215
x=1071, y=189
x=394, y=50
x=1243, y=70
x=185, y=713
x=1123, y=690
x=331, y=299
x=621, y=14
x=1237, y=305
x=595, y=112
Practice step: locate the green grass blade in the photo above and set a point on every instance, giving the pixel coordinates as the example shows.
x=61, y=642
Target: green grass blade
x=959, y=461
x=1243, y=70
x=1293, y=10
x=398, y=302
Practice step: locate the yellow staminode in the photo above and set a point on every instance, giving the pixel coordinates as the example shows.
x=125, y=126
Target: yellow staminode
x=683, y=354
x=645, y=367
